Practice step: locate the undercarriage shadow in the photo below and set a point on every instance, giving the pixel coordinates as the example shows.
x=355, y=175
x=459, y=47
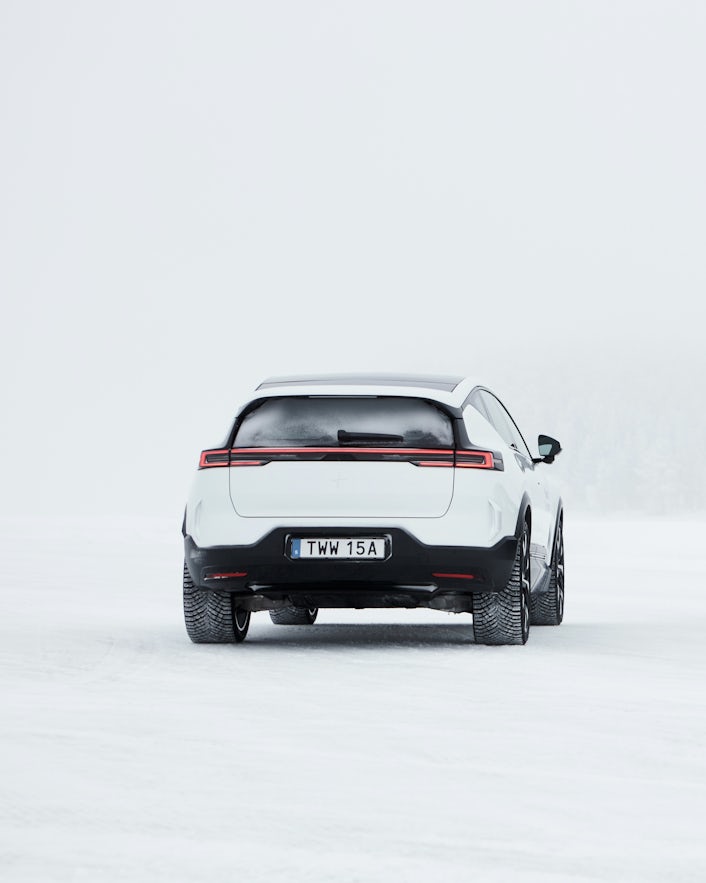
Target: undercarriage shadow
x=365, y=635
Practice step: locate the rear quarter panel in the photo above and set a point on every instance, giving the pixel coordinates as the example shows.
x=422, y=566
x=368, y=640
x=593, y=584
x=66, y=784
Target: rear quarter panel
x=506, y=491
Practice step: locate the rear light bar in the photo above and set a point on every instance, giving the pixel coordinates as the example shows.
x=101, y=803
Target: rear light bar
x=214, y=458
x=466, y=460
x=475, y=460
x=224, y=457
x=426, y=457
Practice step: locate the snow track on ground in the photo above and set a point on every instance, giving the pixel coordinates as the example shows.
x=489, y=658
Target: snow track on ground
x=371, y=746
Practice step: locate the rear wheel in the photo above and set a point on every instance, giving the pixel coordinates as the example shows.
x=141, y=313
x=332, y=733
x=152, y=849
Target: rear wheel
x=294, y=615
x=548, y=608
x=211, y=617
x=504, y=617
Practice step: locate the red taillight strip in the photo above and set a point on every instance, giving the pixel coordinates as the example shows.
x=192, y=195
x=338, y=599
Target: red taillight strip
x=416, y=456
x=475, y=460
x=464, y=460
x=341, y=449
x=454, y=575
x=214, y=458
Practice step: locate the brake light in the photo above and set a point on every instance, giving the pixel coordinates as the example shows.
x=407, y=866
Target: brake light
x=417, y=456
x=214, y=458
x=475, y=460
x=464, y=460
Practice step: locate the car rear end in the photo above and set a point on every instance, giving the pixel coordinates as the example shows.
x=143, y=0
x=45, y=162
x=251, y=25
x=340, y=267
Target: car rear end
x=341, y=496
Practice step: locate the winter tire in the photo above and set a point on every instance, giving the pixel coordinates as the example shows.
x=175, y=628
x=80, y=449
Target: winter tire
x=294, y=615
x=548, y=608
x=211, y=617
x=504, y=617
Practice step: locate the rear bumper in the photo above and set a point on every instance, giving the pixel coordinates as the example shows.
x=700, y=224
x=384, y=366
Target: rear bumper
x=414, y=574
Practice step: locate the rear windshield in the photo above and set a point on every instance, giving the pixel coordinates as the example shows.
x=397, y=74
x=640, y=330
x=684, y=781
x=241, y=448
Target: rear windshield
x=349, y=421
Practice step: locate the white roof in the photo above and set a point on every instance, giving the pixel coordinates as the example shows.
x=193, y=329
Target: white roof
x=450, y=390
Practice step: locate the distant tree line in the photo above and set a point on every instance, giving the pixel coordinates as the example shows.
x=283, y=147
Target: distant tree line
x=631, y=423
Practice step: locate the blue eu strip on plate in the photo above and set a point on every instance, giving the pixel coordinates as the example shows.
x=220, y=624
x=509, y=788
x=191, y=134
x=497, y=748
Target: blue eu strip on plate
x=296, y=546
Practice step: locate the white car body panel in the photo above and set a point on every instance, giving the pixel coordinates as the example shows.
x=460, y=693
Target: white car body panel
x=472, y=519
x=452, y=399
x=341, y=490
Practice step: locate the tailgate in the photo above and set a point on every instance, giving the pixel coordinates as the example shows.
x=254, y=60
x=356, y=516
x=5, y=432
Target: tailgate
x=325, y=489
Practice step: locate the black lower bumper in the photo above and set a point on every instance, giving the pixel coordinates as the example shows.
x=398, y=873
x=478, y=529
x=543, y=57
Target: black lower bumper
x=264, y=576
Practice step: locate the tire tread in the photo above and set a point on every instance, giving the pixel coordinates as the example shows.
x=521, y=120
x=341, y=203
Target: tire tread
x=291, y=616
x=497, y=616
x=208, y=615
x=544, y=608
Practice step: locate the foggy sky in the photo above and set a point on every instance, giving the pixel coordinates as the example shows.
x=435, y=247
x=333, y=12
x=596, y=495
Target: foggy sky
x=197, y=195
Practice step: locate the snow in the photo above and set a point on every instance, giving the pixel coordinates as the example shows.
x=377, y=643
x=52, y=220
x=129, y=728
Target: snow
x=373, y=746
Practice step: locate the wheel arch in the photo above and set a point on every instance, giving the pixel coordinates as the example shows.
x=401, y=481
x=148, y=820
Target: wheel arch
x=524, y=515
x=558, y=517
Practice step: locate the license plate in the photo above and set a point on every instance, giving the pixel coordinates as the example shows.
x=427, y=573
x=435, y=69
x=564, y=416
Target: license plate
x=351, y=548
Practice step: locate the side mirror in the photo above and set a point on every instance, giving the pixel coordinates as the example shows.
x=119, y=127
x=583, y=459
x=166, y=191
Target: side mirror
x=548, y=449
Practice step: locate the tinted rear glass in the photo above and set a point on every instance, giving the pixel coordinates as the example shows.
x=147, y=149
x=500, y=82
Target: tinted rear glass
x=334, y=421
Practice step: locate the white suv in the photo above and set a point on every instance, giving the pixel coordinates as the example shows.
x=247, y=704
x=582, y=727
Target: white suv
x=373, y=491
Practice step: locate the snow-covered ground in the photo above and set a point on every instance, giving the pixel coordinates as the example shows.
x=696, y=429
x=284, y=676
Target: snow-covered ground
x=374, y=746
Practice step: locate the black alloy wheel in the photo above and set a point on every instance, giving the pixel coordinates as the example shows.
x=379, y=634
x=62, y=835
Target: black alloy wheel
x=241, y=623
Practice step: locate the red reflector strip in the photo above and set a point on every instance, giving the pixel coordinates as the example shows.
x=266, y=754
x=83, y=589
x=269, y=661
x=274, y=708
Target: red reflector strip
x=247, y=462
x=235, y=575
x=214, y=458
x=475, y=460
x=454, y=575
